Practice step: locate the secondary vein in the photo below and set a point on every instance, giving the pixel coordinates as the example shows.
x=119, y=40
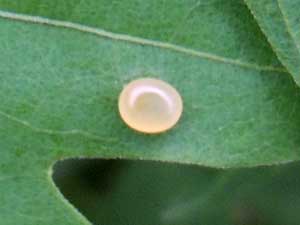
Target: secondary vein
x=49, y=131
x=135, y=40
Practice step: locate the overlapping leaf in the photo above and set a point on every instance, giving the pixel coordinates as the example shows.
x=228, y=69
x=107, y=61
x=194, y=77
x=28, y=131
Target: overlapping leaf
x=280, y=19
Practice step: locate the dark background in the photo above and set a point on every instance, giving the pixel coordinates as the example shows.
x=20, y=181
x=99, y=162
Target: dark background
x=120, y=192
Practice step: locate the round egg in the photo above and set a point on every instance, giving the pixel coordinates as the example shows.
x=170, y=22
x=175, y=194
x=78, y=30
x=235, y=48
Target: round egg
x=150, y=105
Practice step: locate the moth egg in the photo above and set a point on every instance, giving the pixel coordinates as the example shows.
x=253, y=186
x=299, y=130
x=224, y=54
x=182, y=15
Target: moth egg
x=150, y=105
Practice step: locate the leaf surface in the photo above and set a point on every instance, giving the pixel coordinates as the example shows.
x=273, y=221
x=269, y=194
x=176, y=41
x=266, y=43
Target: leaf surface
x=63, y=65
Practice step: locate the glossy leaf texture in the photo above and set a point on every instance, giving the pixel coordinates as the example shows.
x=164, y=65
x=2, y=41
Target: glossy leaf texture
x=63, y=65
x=279, y=20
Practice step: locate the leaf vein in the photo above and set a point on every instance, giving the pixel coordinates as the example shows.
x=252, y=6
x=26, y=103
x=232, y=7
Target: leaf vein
x=50, y=131
x=137, y=40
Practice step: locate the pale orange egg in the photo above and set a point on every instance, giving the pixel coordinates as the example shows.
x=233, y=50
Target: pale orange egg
x=150, y=105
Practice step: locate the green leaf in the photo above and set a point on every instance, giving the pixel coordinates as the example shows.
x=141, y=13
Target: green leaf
x=60, y=79
x=279, y=20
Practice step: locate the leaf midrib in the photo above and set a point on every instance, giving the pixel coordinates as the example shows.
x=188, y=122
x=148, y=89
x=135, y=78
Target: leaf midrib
x=136, y=40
